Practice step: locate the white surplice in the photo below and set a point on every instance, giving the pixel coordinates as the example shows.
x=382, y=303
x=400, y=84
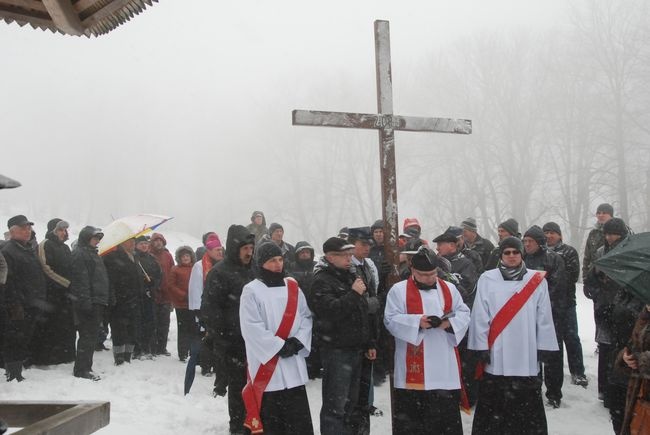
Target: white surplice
x=514, y=352
x=260, y=313
x=440, y=363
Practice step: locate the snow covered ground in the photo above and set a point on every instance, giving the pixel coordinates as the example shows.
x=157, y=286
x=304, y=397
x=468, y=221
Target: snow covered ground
x=147, y=396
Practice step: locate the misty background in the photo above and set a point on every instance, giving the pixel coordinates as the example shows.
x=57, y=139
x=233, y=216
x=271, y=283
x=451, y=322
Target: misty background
x=186, y=111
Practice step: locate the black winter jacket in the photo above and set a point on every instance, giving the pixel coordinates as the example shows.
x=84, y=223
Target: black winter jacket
x=125, y=279
x=572, y=266
x=223, y=288
x=340, y=314
x=88, y=276
x=553, y=264
x=25, y=284
x=55, y=257
x=483, y=247
x=465, y=272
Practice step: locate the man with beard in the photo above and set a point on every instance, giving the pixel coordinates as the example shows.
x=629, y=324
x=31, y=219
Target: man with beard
x=428, y=318
x=162, y=305
x=220, y=312
x=511, y=325
x=25, y=292
x=342, y=327
x=57, y=342
x=89, y=291
x=151, y=278
x=538, y=257
x=276, y=325
x=125, y=280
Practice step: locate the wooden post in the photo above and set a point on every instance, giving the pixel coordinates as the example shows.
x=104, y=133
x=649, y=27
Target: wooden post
x=386, y=123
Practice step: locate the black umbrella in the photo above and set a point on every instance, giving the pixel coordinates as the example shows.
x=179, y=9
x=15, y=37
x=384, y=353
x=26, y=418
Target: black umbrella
x=629, y=265
x=8, y=183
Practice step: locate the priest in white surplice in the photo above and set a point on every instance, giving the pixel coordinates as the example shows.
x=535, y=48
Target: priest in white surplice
x=428, y=319
x=510, y=342
x=276, y=325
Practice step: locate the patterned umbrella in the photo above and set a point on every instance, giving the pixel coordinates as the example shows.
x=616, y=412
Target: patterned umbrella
x=127, y=228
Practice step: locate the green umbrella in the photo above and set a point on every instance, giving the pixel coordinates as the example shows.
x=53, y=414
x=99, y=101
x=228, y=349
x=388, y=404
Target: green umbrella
x=629, y=265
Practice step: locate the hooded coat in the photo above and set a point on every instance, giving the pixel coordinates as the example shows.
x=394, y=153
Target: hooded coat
x=222, y=293
x=258, y=231
x=303, y=270
x=88, y=275
x=179, y=279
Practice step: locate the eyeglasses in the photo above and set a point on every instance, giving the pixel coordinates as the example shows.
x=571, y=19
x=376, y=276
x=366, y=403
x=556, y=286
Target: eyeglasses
x=511, y=252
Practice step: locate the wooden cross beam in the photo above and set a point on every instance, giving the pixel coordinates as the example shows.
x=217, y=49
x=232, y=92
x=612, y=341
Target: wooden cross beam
x=55, y=418
x=386, y=123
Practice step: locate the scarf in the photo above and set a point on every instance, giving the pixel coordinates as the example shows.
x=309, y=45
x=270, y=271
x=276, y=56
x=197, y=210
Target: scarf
x=513, y=273
x=271, y=279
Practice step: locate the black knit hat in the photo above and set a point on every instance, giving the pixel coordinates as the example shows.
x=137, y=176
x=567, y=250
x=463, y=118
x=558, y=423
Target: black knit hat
x=552, y=227
x=537, y=234
x=469, y=224
x=511, y=226
x=266, y=251
x=605, y=208
x=425, y=260
x=511, y=242
x=615, y=226
x=274, y=226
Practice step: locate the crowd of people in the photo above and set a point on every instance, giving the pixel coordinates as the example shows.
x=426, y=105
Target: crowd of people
x=467, y=325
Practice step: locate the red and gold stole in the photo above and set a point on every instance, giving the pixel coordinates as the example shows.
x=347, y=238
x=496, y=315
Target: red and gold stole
x=415, y=354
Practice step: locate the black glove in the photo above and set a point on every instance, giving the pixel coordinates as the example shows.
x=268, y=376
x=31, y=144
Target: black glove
x=435, y=321
x=220, y=386
x=590, y=292
x=291, y=347
x=483, y=356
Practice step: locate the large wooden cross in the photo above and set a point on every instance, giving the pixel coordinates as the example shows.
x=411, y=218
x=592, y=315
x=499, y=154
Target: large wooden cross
x=386, y=123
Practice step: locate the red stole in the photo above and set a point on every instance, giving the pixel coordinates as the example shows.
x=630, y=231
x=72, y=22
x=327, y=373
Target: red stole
x=254, y=389
x=507, y=312
x=415, y=354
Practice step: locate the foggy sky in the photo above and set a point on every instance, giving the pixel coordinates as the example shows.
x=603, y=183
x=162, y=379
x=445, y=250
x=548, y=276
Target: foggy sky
x=186, y=109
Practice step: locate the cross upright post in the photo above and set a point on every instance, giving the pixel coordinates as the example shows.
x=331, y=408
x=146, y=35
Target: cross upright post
x=386, y=123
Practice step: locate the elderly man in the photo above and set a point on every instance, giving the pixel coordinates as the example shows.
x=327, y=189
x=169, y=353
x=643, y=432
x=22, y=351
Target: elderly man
x=25, y=293
x=511, y=328
x=428, y=318
x=57, y=342
x=343, y=330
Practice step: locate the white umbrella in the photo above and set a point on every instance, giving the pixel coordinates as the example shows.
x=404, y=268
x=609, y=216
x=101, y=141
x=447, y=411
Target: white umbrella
x=127, y=228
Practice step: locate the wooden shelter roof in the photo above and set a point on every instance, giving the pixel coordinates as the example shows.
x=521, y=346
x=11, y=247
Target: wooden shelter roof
x=72, y=17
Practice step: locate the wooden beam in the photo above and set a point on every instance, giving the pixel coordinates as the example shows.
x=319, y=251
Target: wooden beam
x=55, y=418
x=434, y=125
x=104, y=12
x=31, y=19
x=64, y=16
x=25, y=4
